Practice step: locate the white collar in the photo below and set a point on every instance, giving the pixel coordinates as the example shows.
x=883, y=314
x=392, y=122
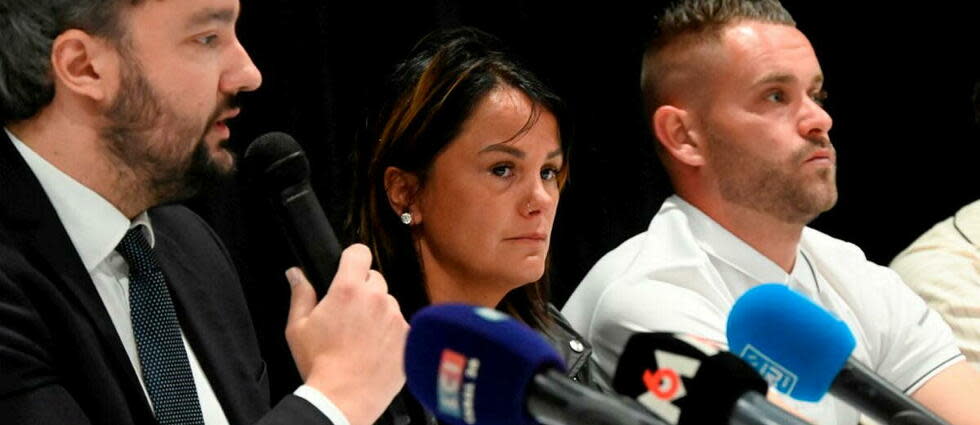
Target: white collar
x=93, y=224
x=725, y=246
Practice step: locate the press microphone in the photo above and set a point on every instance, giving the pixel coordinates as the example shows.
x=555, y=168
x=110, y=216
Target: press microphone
x=477, y=366
x=687, y=380
x=278, y=163
x=804, y=352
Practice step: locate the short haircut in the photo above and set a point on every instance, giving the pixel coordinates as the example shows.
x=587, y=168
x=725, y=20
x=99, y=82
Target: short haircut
x=691, y=23
x=28, y=29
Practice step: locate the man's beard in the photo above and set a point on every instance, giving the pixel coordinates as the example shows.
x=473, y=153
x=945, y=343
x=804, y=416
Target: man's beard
x=776, y=189
x=149, y=141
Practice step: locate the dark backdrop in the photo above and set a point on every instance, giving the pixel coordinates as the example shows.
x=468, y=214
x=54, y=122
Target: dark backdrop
x=900, y=80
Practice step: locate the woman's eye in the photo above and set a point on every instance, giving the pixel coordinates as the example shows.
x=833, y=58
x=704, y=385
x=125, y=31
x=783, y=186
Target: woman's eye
x=502, y=170
x=549, y=174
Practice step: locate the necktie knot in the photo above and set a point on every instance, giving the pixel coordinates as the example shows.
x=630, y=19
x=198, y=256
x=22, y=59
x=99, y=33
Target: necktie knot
x=137, y=252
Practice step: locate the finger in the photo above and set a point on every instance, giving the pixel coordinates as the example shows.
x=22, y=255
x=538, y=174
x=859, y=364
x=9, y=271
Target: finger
x=355, y=262
x=302, y=296
x=376, y=281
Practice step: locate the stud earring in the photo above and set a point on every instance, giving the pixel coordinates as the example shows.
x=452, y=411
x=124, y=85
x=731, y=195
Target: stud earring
x=406, y=217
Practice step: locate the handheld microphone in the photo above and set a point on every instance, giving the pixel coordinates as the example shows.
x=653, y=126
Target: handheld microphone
x=804, y=352
x=686, y=380
x=279, y=164
x=477, y=366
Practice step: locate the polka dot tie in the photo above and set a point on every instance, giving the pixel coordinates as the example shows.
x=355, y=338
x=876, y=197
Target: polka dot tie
x=166, y=371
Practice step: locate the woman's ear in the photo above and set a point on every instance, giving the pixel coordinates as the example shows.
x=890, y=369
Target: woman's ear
x=677, y=134
x=402, y=188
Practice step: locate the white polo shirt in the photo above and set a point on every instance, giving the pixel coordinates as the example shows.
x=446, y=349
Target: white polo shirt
x=686, y=271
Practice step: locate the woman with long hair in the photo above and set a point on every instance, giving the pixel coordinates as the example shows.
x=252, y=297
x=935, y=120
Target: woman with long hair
x=463, y=173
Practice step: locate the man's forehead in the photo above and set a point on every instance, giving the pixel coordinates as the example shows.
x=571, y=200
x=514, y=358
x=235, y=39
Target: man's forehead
x=751, y=37
x=188, y=13
x=209, y=15
x=760, y=51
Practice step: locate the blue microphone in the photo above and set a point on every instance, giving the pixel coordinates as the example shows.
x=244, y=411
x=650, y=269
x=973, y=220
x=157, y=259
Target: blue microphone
x=477, y=366
x=804, y=352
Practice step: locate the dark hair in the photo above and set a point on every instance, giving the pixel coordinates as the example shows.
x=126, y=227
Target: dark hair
x=28, y=29
x=427, y=99
x=698, y=21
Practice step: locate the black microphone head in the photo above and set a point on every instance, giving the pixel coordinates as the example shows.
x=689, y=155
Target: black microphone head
x=721, y=381
x=683, y=379
x=277, y=161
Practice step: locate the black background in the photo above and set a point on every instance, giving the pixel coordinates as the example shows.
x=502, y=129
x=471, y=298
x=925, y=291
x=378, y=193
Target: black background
x=900, y=80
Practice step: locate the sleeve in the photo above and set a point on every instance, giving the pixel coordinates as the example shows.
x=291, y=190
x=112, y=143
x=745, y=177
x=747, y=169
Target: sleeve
x=945, y=272
x=323, y=404
x=916, y=344
x=292, y=410
x=30, y=391
x=628, y=307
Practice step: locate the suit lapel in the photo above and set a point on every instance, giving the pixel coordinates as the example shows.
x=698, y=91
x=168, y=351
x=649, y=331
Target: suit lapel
x=210, y=321
x=37, y=231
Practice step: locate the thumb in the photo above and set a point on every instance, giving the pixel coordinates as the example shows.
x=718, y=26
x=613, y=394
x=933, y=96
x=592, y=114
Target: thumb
x=302, y=298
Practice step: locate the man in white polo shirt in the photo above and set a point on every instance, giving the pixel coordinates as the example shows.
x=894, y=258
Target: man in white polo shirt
x=734, y=94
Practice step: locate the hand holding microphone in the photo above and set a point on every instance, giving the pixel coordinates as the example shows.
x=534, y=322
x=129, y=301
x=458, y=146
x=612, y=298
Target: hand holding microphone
x=350, y=344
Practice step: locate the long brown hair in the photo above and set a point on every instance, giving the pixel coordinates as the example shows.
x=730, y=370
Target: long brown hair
x=428, y=98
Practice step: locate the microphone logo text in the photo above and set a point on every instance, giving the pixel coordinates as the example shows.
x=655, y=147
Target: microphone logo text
x=775, y=374
x=665, y=385
x=457, y=385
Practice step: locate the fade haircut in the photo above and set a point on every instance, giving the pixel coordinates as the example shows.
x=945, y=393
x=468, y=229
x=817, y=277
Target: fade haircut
x=28, y=29
x=692, y=23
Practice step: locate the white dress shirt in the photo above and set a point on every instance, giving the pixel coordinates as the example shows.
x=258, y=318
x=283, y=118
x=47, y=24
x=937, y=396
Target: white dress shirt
x=686, y=271
x=95, y=228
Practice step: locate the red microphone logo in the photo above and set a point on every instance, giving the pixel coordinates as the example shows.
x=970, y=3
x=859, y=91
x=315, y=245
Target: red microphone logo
x=457, y=385
x=664, y=385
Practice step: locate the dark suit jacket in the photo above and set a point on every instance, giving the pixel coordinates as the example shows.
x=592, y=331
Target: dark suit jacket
x=61, y=360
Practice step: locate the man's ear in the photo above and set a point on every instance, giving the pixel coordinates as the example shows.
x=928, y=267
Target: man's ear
x=677, y=134
x=402, y=188
x=85, y=65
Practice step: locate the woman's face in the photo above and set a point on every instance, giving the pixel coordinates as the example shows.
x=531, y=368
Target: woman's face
x=489, y=201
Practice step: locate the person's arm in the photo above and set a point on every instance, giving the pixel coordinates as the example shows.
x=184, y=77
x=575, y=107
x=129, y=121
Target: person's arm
x=944, y=273
x=31, y=391
x=953, y=394
x=919, y=353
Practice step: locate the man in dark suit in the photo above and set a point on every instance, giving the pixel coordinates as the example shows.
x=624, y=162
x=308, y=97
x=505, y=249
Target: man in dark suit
x=115, y=309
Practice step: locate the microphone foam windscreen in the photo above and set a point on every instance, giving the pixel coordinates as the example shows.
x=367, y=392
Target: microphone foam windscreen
x=682, y=379
x=472, y=365
x=277, y=161
x=796, y=345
